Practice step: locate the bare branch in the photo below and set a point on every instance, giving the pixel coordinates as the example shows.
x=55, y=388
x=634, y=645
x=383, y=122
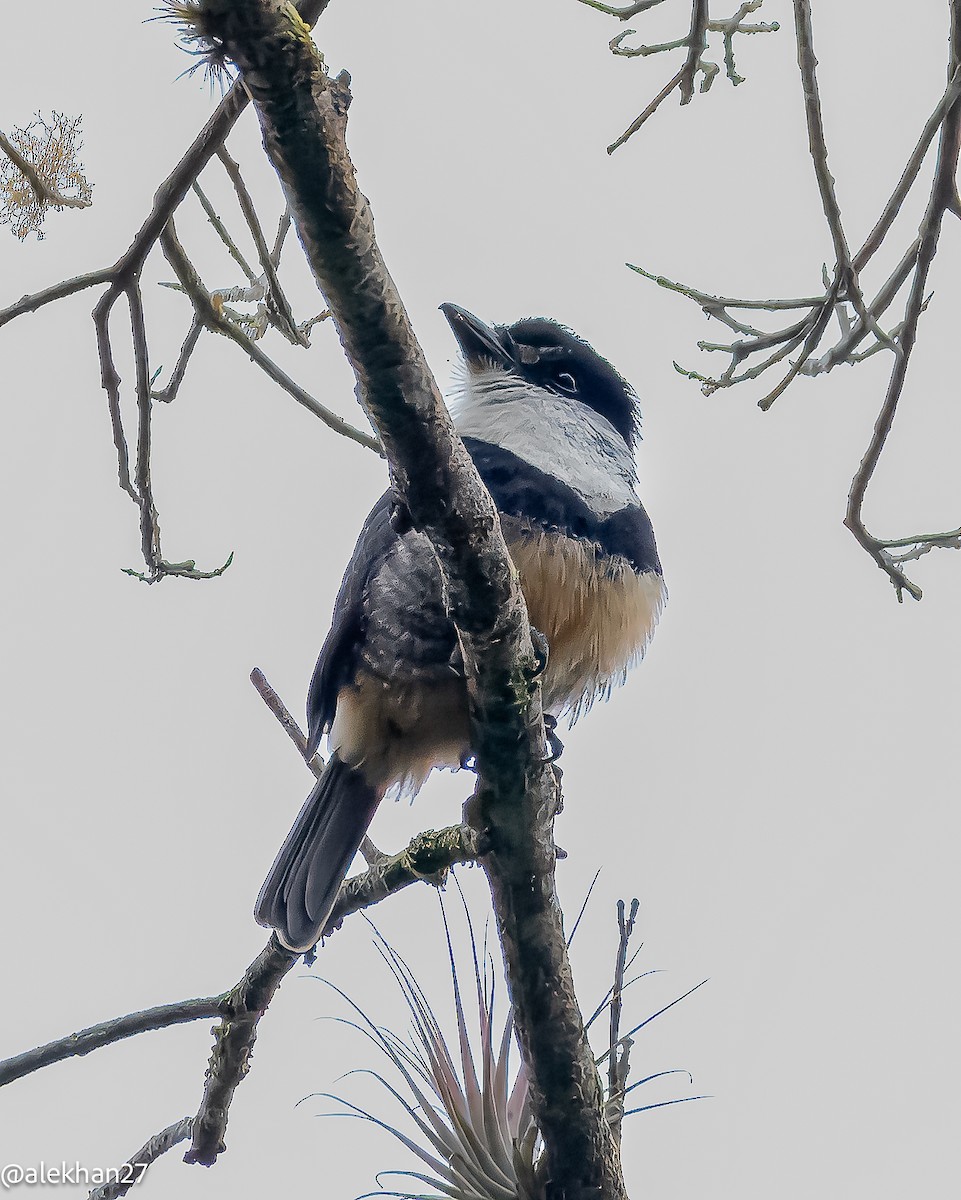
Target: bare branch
x=625, y=13
x=106, y=1033
x=695, y=42
x=940, y=201
x=618, y=1067
x=277, y=301
x=123, y=279
x=287, y=722
x=844, y=289
x=847, y=286
x=149, y=525
x=427, y=858
x=169, y=393
x=282, y=230
x=916, y=546
x=136, y=1166
x=242, y=1008
x=648, y=112
x=59, y=291
x=909, y=174
x=110, y=379
x=221, y=230
x=208, y=313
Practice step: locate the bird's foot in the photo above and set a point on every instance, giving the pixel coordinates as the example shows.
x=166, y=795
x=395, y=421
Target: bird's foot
x=541, y=653
x=554, y=743
x=400, y=518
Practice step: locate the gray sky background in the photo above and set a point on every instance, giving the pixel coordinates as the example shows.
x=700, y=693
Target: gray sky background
x=777, y=782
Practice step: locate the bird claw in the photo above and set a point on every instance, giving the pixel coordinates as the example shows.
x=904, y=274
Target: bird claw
x=541, y=652
x=400, y=519
x=554, y=743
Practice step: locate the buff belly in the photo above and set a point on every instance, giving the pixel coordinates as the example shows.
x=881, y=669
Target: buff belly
x=597, y=614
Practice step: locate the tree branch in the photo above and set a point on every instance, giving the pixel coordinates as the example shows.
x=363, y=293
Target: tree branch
x=135, y=1167
x=106, y=1033
x=940, y=201
x=428, y=857
x=844, y=289
x=123, y=279
x=695, y=42
x=234, y=1038
x=212, y=316
x=277, y=301
x=302, y=114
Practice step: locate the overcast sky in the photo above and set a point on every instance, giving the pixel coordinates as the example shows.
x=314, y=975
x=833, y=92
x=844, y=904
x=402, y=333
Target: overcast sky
x=776, y=783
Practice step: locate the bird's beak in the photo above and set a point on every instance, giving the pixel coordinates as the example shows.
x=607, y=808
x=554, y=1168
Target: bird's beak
x=478, y=342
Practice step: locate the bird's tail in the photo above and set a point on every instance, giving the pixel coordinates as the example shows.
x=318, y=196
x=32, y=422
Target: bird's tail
x=302, y=886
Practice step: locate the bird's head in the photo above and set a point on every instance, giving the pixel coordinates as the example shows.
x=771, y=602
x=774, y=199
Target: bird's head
x=547, y=355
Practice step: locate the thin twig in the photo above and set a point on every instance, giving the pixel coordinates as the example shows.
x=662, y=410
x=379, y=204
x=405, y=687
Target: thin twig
x=287, y=722
x=940, y=201
x=169, y=393
x=277, y=301
x=282, y=230
x=847, y=286
x=713, y=304
x=627, y=12
x=618, y=1067
x=648, y=112
x=221, y=230
x=208, y=314
x=695, y=41
x=910, y=173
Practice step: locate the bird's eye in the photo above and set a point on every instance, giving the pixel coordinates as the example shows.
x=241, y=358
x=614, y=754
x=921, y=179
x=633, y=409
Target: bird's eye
x=566, y=382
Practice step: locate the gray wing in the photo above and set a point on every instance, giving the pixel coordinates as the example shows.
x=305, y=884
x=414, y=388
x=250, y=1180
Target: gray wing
x=389, y=619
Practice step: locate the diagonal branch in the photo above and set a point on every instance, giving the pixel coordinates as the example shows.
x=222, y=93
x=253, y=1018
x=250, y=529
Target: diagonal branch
x=106, y=1033
x=213, y=318
x=275, y=293
x=303, y=116
x=940, y=201
x=134, y=1169
x=428, y=857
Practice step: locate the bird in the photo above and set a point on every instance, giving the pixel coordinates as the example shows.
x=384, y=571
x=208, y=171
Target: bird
x=551, y=427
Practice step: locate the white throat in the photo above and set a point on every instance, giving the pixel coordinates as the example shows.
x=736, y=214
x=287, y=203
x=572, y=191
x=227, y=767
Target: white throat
x=559, y=436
